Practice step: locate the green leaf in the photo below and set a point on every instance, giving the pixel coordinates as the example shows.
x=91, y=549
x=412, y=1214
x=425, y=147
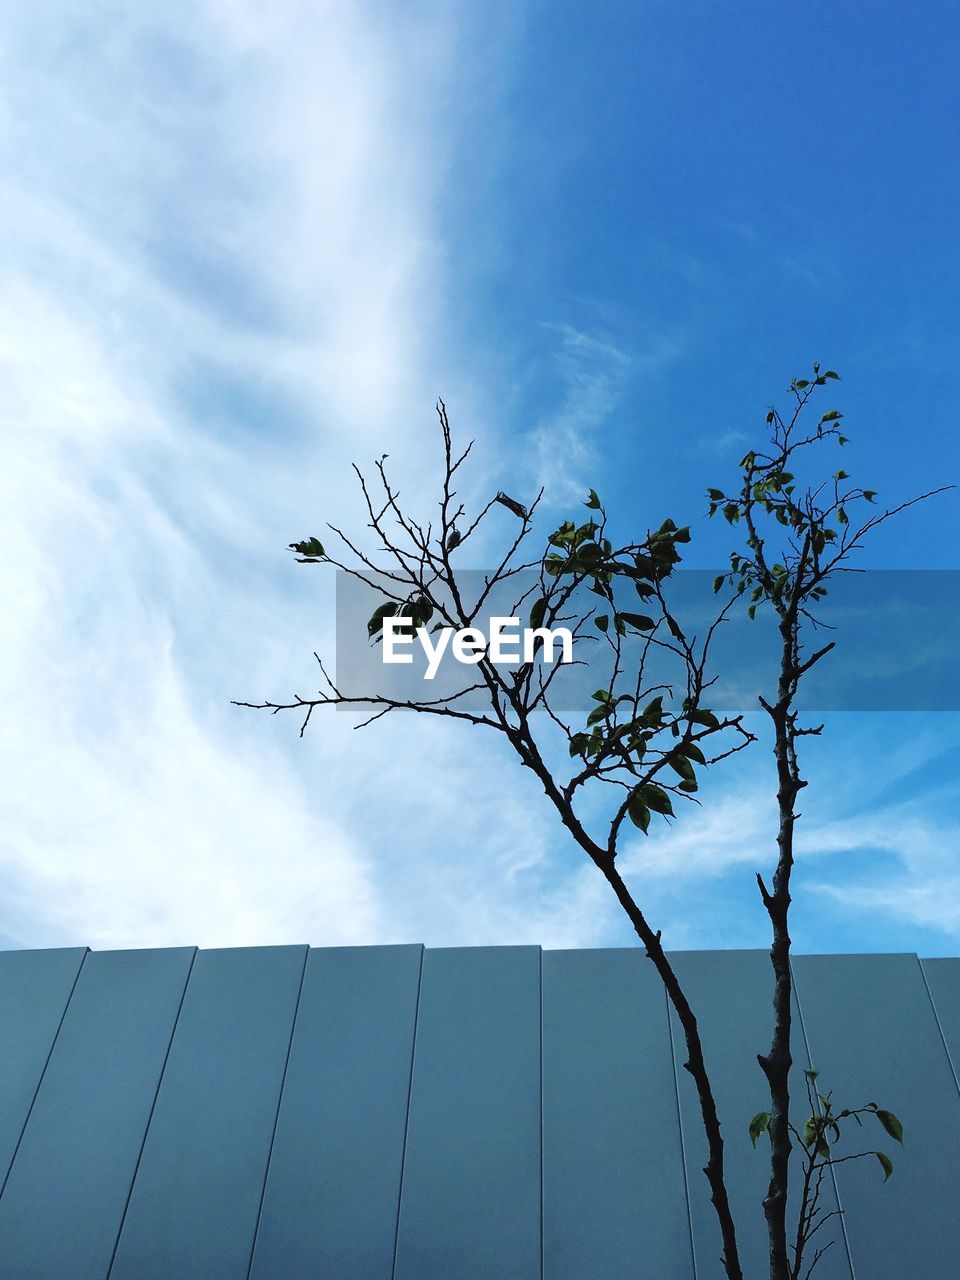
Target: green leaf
x=589, y=552
x=706, y=718
x=870, y=494
x=664, y=552
x=597, y=714
x=653, y=711
x=891, y=1124
x=375, y=624
x=602, y=622
x=682, y=766
x=537, y=612
x=593, y=502
x=645, y=566
x=421, y=612
x=312, y=548
x=886, y=1164
x=832, y=416
x=656, y=798
x=638, y=813
x=758, y=1125
x=639, y=620
x=715, y=495
x=718, y=582
x=810, y=1130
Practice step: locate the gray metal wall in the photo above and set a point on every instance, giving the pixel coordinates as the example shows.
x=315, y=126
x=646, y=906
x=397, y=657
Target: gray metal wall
x=390, y=1113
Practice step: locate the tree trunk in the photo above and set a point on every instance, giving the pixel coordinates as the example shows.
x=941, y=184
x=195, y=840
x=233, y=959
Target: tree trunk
x=694, y=1065
x=777, y=1063
x=526, y=748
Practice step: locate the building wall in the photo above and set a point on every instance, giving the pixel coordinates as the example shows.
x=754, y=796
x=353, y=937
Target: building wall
x=358, y=1113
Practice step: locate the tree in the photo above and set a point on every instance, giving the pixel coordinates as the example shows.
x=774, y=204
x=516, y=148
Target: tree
x=647, y=733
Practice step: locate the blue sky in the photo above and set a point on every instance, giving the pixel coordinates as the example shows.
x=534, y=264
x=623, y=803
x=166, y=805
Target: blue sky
x=240, y=250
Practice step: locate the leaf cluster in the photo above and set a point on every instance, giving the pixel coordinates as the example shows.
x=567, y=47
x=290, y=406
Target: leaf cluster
x=818, y=1141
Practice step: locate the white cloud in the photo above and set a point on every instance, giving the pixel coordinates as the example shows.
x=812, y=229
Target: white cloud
x=915, y=900
x=732, y=827
x=723, y=443
x=222, y=277
x=923, y=885
x=208, y=210
x=877, y=858
x=593, y=373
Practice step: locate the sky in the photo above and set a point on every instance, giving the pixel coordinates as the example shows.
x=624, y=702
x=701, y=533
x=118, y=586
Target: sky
x=243, y=246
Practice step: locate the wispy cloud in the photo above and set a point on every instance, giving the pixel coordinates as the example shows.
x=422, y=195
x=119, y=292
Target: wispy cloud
x=220, y=255
x=725, y=442
x=224, y=276
x=594, y=372
x=878, y=844
x=922, y=886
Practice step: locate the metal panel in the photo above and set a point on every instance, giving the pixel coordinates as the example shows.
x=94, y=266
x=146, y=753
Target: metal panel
x=731, y=993
x=195, y=1200
x=873, y=1033
x=62, y=1207
x=614, y=1197
x=943, y=981
x=470, y=1205
x=333, y=1188
x=34, y=989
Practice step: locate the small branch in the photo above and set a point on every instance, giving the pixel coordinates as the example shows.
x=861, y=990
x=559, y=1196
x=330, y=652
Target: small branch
x=814, y=658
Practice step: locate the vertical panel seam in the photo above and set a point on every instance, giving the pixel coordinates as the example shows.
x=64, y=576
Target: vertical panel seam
x=936, y=1015
x=833, y=1172
x=153, y=1105
x=276, y=1118
x=43, y=1070
x=540, y=1059
x=406, y=1124
x=683, y=1148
